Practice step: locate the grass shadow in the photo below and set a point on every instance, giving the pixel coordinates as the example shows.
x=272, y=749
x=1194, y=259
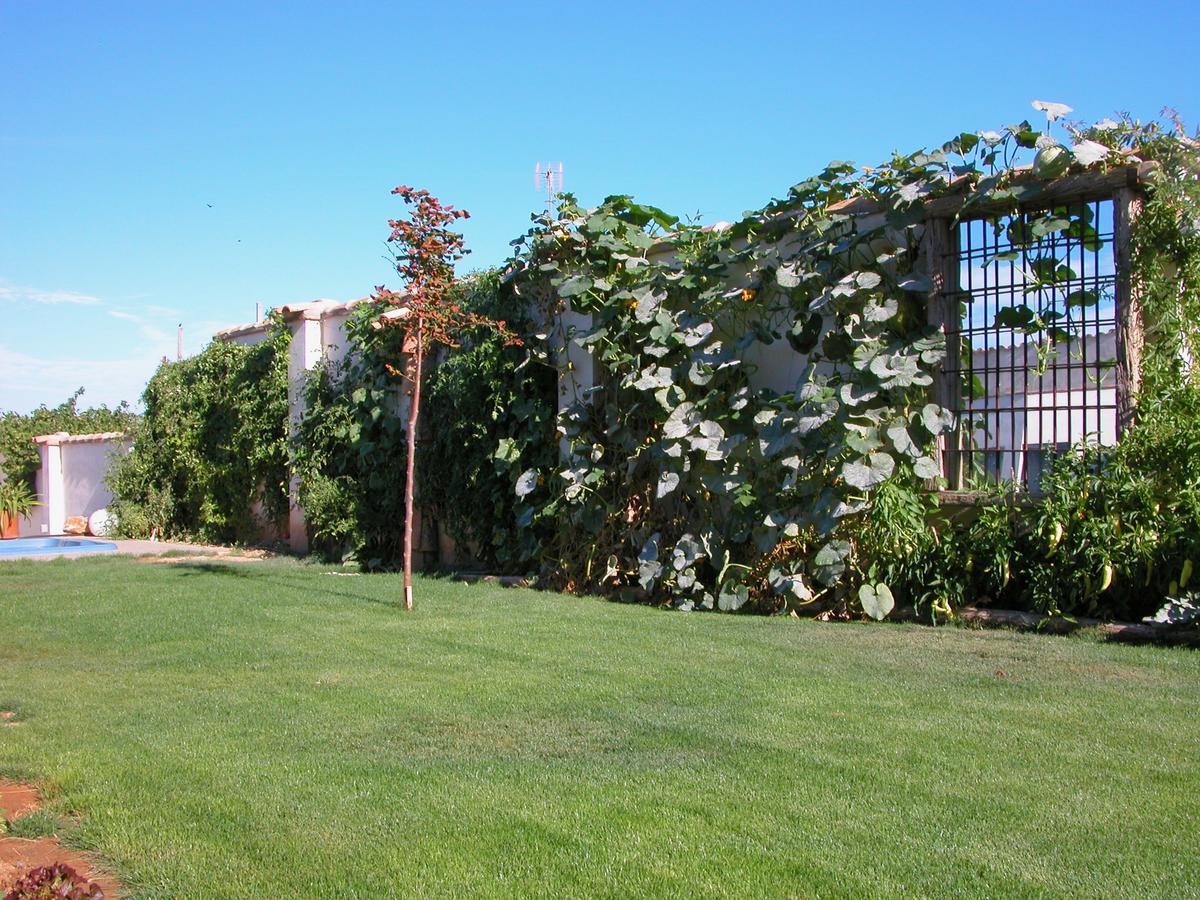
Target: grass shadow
x=298, y=585
x=191, y=569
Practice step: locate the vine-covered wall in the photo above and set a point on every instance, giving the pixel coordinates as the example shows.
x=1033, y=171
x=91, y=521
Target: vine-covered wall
x=490, y=404
x=485, y=406
x=349, y=449
x=681, y=469
x=210, y=452
x=19, y=456
x=689, y=482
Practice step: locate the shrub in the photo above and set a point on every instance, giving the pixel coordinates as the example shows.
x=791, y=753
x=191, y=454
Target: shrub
x=211, y=443
x=492, y=403
x=19, y=457
x=349, y=450
x=1115, y=533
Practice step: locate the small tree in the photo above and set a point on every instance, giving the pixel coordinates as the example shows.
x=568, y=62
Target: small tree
x=425, y=254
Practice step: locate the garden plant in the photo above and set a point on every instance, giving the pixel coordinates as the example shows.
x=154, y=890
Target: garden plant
x=675, y=478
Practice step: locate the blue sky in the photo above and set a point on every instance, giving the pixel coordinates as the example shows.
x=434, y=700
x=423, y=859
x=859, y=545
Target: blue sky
x=120, y=123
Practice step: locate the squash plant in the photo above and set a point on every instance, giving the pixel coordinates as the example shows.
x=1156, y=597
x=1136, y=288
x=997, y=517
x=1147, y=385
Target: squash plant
x=683, y=480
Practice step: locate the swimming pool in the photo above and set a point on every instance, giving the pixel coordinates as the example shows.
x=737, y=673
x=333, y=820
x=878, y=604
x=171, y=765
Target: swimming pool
x=52, y=546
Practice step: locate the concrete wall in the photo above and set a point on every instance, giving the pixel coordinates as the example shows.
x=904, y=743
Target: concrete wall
x=318, y=334
x=334, y=344
x=71, y=480
x=85, y=468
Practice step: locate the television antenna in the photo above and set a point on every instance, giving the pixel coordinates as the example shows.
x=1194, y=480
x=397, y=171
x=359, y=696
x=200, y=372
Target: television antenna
x=548, y=177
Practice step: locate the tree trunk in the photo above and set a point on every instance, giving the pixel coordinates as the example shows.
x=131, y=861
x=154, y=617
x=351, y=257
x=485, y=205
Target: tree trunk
x=414, y=411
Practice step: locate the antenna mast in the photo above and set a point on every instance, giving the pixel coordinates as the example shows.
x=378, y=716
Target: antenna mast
x=548, y=177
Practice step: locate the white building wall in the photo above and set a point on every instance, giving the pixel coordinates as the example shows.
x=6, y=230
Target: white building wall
x=335, y=346
x=246, y=338
x=72, y=478
x=85, y=470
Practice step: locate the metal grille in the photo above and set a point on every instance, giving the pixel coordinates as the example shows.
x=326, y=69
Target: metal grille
x=1031, y=364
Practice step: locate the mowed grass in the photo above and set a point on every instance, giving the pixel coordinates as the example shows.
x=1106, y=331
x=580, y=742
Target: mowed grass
x=268, y=730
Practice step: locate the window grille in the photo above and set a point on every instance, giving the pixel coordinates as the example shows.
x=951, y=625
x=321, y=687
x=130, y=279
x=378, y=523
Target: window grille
x=1033, y=349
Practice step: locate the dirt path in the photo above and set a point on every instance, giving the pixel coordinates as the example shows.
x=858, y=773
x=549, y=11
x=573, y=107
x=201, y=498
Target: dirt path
x=21, y=855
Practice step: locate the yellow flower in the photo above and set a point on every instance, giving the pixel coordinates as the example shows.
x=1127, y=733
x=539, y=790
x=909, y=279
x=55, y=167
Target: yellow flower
x=748, y=294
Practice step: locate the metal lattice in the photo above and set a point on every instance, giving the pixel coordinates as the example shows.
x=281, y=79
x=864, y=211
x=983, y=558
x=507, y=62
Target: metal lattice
x=1031, y=363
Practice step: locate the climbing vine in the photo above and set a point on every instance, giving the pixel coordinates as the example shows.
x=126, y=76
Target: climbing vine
x=493, y=404
x=685, y=469
x=19, y=458
x=350, y=447
x=209, y=459
x=485, y=393
x=690, y=479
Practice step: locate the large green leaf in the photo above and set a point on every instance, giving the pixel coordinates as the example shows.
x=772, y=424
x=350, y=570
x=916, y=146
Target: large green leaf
x=686, y=553
x=527, y=482
x=733, y=597
x=680, y=422
x=574, y=286
x=898, y=434
x=1020, y=316
x=895, y=370
x=924, y=467
x=507, y=451
x=869, y=471
x=877, y=600
x=649, y=568
x=667, y=482
x=936, y=419
x=790, y=584
x=805, y=333
x=830, y=562
x=654, y=377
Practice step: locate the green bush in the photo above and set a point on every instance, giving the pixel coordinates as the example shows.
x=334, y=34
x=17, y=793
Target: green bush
x=1120, y=528
x=1114, y=534
x=211, y=443
x=490, y=403
x=480, y=396
x=349, y=450
x=19, y=457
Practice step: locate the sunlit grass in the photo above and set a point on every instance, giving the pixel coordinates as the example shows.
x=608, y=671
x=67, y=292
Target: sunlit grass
x=265, y=729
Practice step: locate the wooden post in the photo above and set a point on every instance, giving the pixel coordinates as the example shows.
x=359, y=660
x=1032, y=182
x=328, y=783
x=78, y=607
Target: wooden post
x=1130, y=337
x=939, y=246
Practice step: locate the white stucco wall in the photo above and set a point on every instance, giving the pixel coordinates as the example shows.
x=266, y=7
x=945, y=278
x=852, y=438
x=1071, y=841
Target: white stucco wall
x=334, y=344
x=85, y=470
x=256, y=336
x=71, y=480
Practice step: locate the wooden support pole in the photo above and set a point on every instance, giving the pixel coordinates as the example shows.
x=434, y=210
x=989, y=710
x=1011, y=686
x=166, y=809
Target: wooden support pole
x=1130, y=336
x=939, y=247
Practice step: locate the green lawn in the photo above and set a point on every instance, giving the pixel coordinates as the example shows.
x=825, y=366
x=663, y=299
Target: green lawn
x=267, y=730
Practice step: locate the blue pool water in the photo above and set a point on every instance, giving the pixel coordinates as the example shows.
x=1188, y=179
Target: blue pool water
x=53, y=545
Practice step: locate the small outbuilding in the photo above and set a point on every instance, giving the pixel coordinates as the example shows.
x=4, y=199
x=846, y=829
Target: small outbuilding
x=72, y=478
